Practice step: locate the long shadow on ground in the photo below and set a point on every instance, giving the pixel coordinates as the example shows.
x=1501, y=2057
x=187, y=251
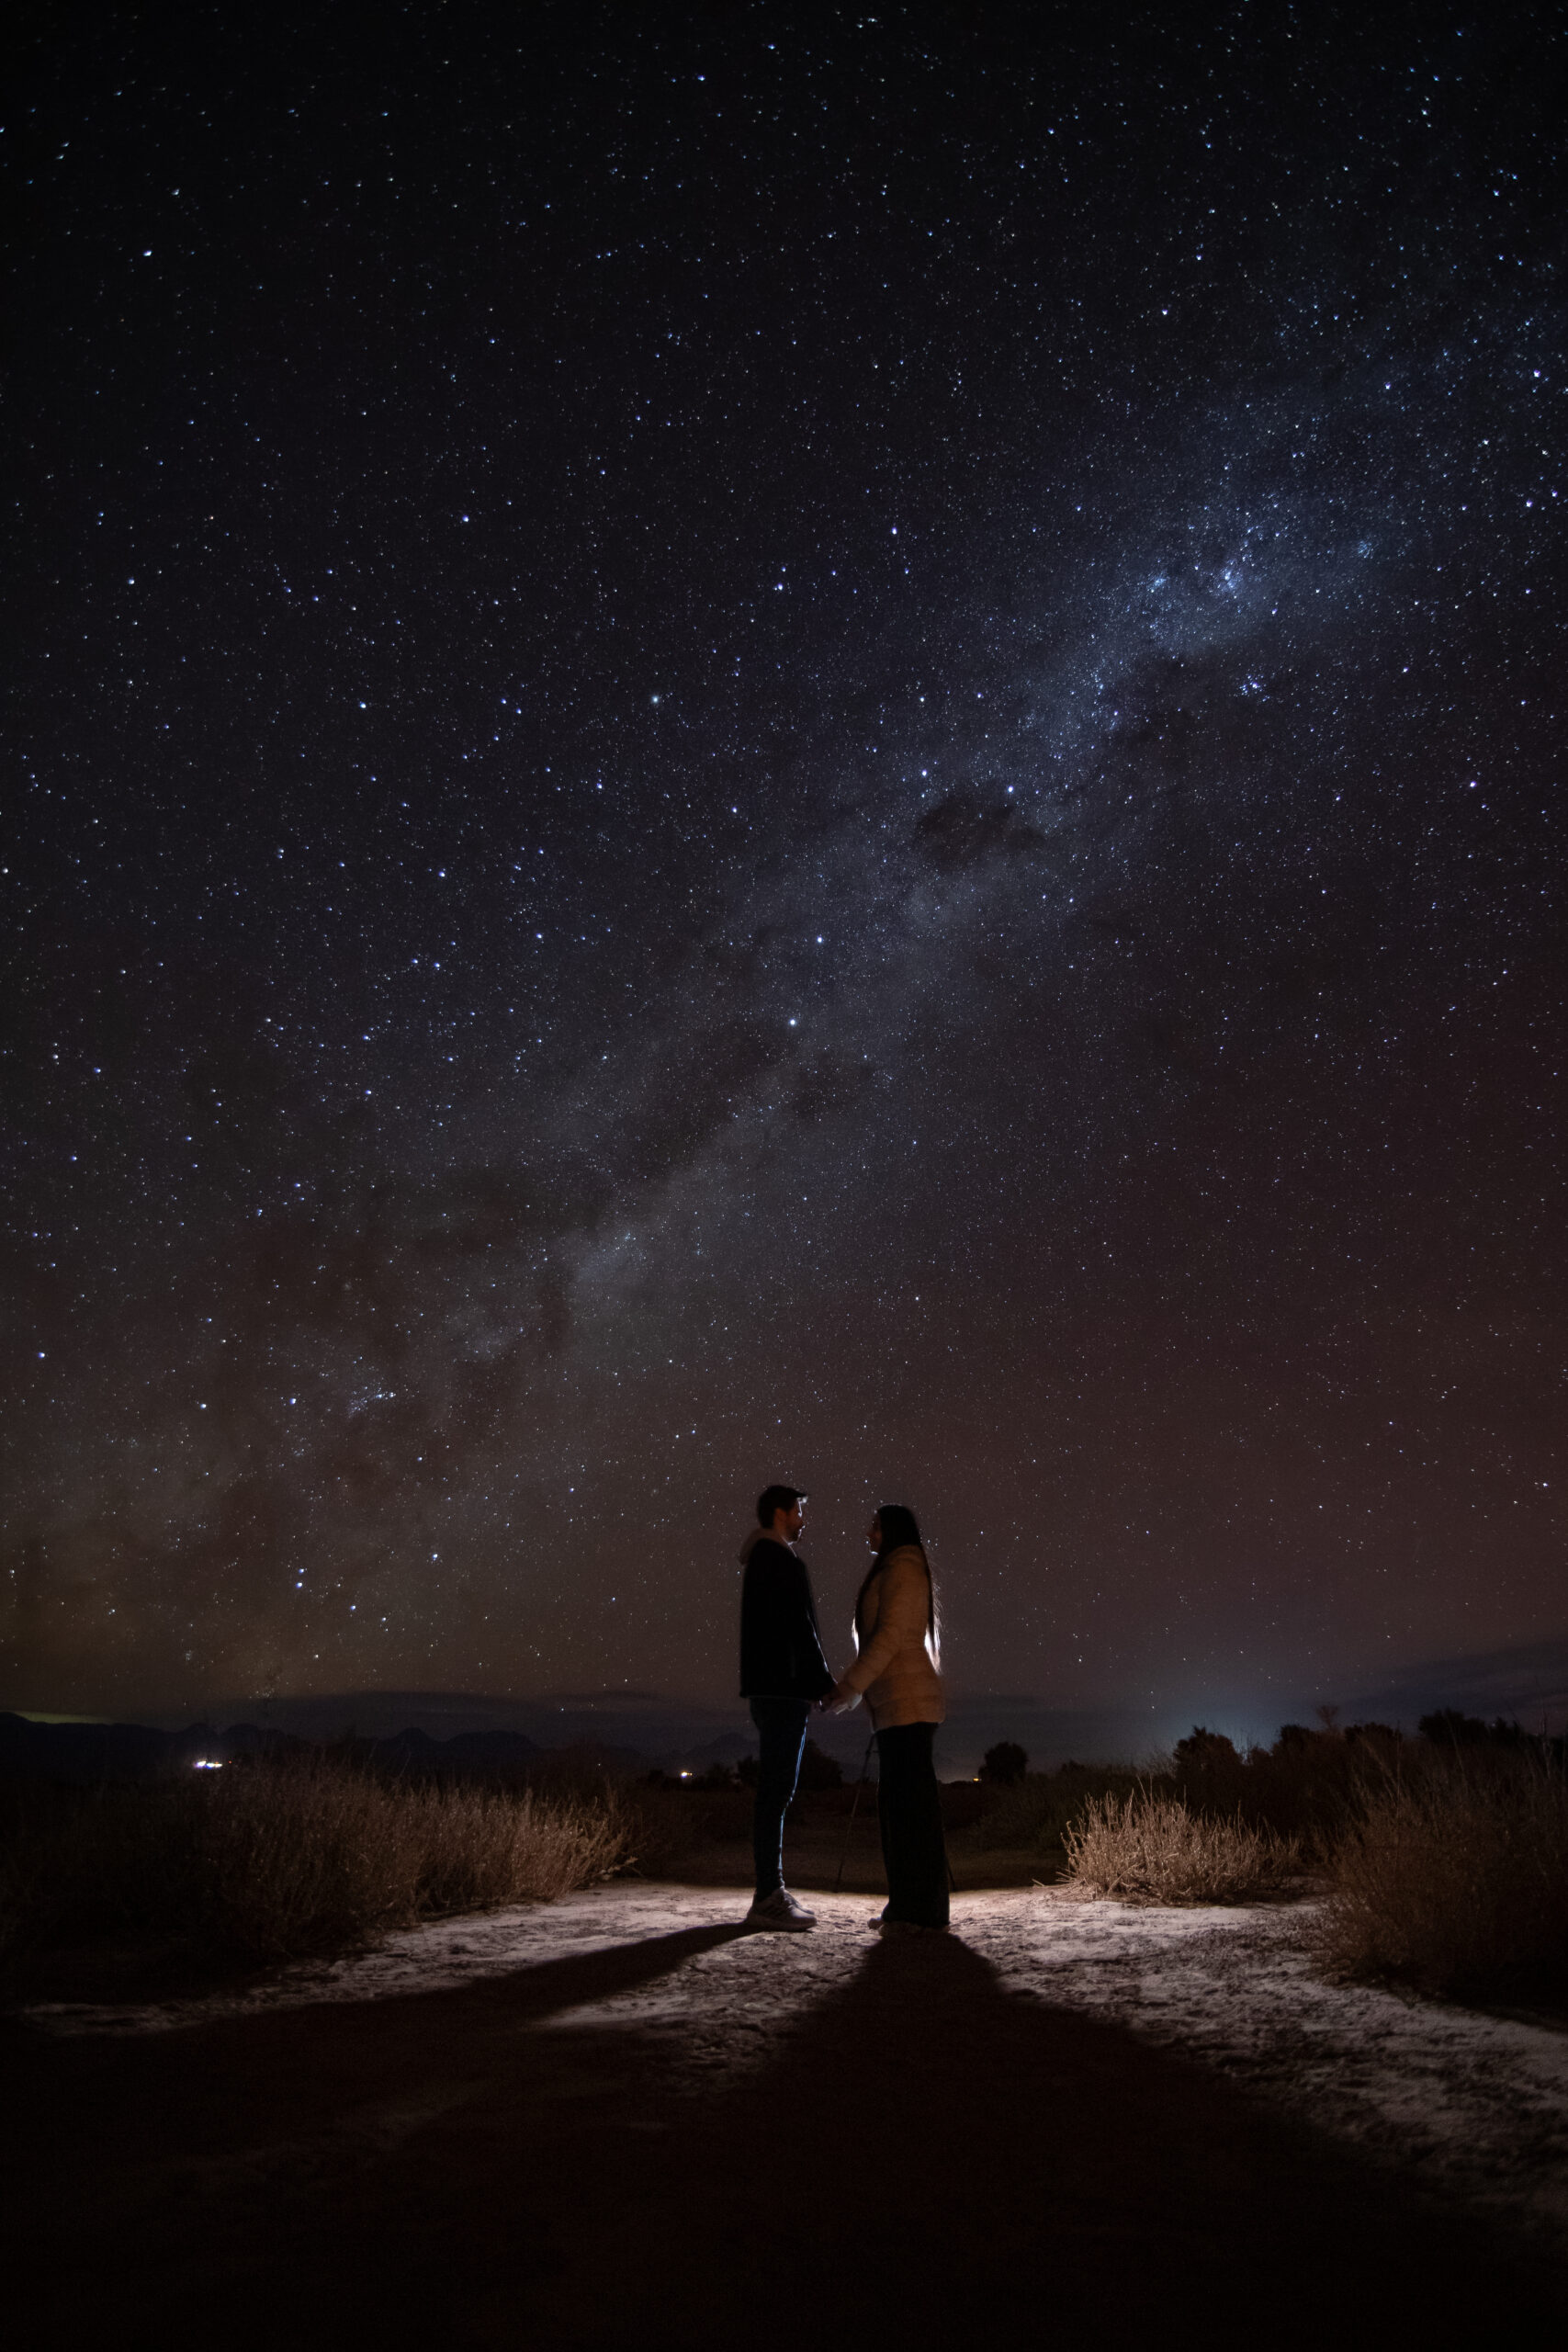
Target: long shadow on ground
x=926, y=2160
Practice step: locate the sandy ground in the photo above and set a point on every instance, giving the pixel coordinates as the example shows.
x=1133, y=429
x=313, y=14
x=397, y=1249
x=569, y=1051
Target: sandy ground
x=616, y=2120
x=1473, y=2104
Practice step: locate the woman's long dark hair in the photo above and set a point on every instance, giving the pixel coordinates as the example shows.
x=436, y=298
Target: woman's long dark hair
x=897, y=1525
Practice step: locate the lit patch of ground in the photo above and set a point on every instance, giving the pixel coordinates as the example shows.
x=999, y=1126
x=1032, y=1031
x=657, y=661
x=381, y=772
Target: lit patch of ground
x=1472, y=2104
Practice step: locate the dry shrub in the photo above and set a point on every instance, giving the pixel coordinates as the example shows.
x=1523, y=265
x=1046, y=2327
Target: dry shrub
x=1149, y=1848
x=491, y=1848
x=1458, y=1886
x=306, y=1855
x=278, y=1859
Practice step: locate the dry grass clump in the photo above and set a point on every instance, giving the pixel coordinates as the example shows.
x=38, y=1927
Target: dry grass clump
x=1150, y=1849
x=1457, y=1885
x=307, y=1855
x=278, y=1859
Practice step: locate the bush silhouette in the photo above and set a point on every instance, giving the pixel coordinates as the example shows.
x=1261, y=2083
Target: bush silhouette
x=1004, y=1765
x=1205, y=1751
x=1449, y=1728
x=818, y=1771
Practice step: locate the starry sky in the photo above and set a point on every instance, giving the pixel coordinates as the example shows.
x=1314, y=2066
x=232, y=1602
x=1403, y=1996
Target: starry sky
x=765, y=742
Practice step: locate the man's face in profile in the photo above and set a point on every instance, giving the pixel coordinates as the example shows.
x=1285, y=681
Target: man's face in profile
x=790, y=1522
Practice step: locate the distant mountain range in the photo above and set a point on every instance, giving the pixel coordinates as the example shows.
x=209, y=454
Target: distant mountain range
x=84, y=1753
x=632, y=1731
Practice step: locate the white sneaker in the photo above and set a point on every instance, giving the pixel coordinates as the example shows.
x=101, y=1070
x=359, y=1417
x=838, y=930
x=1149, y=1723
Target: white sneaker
x=779, y=1909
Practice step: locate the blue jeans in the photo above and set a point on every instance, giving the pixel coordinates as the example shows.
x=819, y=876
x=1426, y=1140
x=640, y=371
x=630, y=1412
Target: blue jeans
x=781, y=1741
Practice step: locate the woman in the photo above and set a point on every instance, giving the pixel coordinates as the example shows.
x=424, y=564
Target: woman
x=896, y=1672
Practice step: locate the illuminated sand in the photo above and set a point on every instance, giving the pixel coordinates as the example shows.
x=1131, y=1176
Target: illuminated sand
x=1473, y=2105
x=618, y=2121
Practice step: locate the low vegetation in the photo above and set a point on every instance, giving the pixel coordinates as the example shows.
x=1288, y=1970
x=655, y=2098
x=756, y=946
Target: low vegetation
x=1456, y=1881
x=1032, y=1814
x=667, y=1823
x=1303, y=1790
x=1444, y=1856
x=679, y=1816
x=1004, y=1765
x=273, y=1861
x=1150, y=1849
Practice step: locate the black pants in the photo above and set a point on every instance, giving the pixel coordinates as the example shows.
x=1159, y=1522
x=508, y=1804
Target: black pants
x=909, y=1812
x=781, y=1741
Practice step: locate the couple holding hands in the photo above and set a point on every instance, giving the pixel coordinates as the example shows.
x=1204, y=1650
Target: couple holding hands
x=784, y=1674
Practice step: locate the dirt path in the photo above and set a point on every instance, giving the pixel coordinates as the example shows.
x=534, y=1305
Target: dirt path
x=616, y=2121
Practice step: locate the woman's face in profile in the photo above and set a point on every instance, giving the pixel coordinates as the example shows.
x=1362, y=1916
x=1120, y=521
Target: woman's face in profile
x=874, y=1535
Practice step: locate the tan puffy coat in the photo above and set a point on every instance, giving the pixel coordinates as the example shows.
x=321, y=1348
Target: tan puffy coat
x=894, y=1671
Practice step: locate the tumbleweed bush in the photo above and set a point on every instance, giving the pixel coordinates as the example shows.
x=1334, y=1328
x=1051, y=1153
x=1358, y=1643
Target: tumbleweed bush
x=1149, y=1848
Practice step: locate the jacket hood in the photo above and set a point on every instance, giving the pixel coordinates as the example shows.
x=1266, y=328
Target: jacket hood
x=755, y=1535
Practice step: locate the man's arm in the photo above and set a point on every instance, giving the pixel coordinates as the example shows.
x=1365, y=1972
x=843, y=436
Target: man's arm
x=813, y=1665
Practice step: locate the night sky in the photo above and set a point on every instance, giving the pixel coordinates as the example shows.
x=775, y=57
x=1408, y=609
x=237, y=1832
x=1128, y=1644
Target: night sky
x=772, y=743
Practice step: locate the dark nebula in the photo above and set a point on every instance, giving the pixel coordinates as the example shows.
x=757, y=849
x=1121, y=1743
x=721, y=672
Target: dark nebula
x=770, y=742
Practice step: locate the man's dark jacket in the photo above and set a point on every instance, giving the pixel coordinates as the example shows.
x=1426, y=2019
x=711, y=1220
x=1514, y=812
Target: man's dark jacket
x=781, y=1651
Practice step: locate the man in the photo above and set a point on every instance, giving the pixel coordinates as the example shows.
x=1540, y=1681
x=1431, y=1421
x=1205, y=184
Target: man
x=782, y=1671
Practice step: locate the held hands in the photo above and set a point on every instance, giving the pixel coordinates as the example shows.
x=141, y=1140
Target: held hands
x=839, y=1701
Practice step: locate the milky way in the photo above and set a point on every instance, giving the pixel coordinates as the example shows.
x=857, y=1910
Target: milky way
x=802, y=745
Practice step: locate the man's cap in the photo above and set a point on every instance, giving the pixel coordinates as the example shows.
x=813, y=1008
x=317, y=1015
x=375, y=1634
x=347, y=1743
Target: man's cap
x=779, y=1498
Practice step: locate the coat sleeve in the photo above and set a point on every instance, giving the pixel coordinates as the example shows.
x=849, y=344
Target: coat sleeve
x=901, y=1620
x=813, y=1668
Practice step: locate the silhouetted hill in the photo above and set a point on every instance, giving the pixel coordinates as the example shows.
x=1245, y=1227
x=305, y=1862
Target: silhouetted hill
x=87, y=1752
x=81, y=1754
x=619, y=1731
